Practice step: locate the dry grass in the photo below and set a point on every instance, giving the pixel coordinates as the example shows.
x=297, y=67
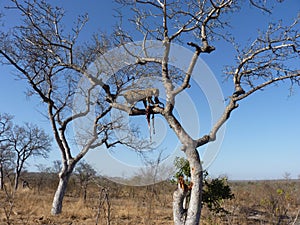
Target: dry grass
x=271, y=202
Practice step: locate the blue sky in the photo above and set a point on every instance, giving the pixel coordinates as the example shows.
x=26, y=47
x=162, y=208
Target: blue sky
x=262, y=138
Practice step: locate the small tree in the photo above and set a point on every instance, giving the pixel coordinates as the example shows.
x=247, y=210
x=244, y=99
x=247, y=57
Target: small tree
x=44, y=175
x=215, y=191
x=6, y=156
x=85, y=174
x=26, y=141
x=56, y=166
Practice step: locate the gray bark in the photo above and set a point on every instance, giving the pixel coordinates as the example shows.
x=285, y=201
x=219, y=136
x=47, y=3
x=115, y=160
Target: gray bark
x=18, y=170
x=16, y=185
x=64, y=177
x=59, y=195
x=194, y=208
x=178, y=210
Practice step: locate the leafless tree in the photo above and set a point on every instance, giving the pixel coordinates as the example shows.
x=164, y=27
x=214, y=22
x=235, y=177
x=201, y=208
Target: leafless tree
x=56, y=166
x=52, y=60
x=104, y=205
x=27, y=141
x=85, y=173
x=44, y=175
x=6, y=155
x=264, y=62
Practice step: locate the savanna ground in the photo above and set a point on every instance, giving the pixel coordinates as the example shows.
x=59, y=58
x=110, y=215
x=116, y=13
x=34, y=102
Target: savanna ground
x=255, y=202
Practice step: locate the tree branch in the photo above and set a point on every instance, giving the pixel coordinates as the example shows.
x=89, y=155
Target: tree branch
x=295, y=76
x=213, y=133
x=186, y=81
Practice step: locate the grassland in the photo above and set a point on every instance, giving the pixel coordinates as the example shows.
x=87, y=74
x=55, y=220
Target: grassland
x=255, y=202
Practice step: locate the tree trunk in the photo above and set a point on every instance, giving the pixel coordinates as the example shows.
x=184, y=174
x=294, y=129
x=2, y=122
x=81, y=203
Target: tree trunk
x=191, y=214
x=84, y=192
x=17, y=175
x=18, y=169
x=1, y=177
x=64, y=177
x=179, y=212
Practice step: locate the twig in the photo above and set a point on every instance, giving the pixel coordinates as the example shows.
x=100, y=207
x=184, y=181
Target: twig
x=296, y=218
x=103, y=197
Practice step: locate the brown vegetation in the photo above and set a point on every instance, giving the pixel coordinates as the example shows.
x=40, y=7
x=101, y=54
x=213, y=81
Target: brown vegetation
x=255, y=202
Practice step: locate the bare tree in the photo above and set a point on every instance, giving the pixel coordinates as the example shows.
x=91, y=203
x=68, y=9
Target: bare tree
x=85, y=174
x=52, y=61
x=44, y=175
x=6, y=155
x=49, y=60
x=264, y=62
x=56, y=166
x=26, y=141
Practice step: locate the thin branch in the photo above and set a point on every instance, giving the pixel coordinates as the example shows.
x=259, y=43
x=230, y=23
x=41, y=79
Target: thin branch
x=260, y=7
x=267, y=83
x=160, y=5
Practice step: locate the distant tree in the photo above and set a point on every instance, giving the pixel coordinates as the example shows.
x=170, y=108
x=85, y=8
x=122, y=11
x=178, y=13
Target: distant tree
x=26, y=141
x=85, y=173
x=6, y=156
x=44, y=175
x=56, y=166
x=287, y=176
